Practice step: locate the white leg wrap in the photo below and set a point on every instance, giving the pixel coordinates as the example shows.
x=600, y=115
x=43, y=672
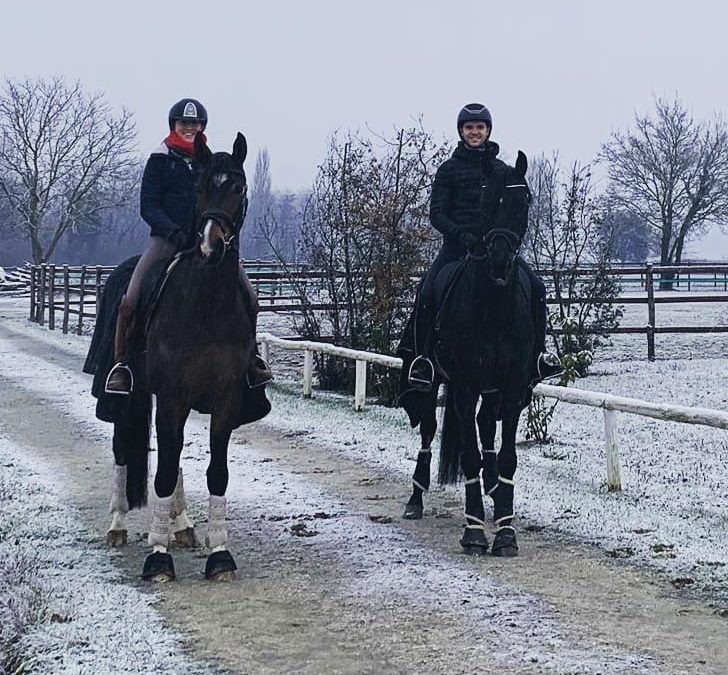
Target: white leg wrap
x=216, y=530
x=179, y=506
x=119, y=502
x=159, y=530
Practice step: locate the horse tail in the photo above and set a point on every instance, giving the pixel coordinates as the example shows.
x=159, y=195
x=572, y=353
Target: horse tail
x=450, y=444
x=131, y=446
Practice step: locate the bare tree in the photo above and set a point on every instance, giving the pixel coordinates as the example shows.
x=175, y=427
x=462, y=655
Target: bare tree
x=567, y=233
x=366, y=226
x=670, y=172
x=64, y=158
x=254, y=243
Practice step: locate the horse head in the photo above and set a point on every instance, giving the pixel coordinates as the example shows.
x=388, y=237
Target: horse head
x=502, y=243
x=501, y=250
x=221, y=199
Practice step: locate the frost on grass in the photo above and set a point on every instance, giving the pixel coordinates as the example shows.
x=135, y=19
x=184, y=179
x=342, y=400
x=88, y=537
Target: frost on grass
x=63, y=607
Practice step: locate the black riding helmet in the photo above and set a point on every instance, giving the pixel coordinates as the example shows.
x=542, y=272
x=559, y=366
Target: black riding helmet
x=474, y=112
x=188, y=110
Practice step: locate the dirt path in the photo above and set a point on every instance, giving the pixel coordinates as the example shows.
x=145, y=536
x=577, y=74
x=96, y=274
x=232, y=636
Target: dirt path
x=362, y=595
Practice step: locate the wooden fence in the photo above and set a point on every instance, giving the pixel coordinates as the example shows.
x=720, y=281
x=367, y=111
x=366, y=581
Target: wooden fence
x=609, y=403
x=74, y=292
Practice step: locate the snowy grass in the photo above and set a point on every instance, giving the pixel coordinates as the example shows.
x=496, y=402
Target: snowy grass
x=63, y=607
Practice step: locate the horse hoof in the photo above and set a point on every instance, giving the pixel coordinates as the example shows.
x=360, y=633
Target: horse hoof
x=186, y=538
x=474, y=542
x=116, y=538
x=412, y=512
x=158, y=567
x=220, y=566
x=505, y=545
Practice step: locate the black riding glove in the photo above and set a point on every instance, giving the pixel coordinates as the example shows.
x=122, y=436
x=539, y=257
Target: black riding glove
x=468, y=239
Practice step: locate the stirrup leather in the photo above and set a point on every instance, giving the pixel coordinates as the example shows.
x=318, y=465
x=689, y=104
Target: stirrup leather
x=119, y=366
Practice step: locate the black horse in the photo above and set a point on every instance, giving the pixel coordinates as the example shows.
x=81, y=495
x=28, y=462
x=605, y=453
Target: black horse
x=483, y=351
x=193, y=353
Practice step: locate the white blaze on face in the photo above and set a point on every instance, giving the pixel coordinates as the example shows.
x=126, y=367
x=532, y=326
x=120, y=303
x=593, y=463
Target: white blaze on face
x=206, y=247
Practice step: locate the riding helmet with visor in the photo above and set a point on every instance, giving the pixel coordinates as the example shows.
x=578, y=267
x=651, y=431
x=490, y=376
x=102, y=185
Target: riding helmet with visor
x=474, y=112
x=187, y=110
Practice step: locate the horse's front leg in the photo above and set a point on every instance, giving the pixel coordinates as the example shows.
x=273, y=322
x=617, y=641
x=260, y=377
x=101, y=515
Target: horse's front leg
x=182, y=527
x=486, y=429
x=421, y=477
x=220, y=565
x=170, y=422
x=473, y=539
x=117, y=535
x=504, y=543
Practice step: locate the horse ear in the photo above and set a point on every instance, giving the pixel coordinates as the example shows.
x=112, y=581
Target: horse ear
x=521, y=163
x=240, y=149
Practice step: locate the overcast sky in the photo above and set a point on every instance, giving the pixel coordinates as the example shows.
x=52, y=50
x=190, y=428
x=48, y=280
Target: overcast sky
x=555, y=74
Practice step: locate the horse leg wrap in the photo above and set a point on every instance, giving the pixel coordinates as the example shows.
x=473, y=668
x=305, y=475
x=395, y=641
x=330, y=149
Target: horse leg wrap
x=159, y=530
x=179, y=506
x=216, y=530
x=490, y=471
x=503, y=502
x=119, y=501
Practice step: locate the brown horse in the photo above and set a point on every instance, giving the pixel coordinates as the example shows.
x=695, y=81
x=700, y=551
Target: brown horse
x=192, y=352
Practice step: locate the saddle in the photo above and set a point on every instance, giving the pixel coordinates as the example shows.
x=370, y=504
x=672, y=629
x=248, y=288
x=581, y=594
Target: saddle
x=100, y=357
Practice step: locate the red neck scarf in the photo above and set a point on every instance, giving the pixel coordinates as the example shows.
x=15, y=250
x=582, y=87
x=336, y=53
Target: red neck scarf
x=176, y=142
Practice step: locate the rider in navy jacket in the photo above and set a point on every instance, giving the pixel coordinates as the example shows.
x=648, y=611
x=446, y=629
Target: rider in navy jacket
x=167, y=202
x=460, y=211
x=167, y=196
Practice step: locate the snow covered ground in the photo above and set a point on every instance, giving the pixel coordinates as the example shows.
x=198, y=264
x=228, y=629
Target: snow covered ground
x=672, y=515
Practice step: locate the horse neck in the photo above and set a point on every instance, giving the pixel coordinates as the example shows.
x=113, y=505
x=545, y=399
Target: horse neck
x=215, y=285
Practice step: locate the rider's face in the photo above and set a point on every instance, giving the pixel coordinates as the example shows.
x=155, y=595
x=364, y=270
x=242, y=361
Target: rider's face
x=187, y=129
x=475, y=133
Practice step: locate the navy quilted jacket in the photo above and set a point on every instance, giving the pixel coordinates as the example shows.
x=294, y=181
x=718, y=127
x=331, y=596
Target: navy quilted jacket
x=460, y=198
x=167, y=196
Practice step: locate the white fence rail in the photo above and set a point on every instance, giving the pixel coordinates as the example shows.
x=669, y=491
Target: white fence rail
x=609, y=403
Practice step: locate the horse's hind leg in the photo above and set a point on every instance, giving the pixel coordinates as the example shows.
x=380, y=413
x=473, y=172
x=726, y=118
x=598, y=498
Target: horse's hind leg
x=117, y=535
x=504, y=543
x=182, y=527
x=421, y=477
x=220, y=565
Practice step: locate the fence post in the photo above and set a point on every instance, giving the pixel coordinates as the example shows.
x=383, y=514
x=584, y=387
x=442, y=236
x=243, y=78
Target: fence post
x=81, y=290
x=51, y=297
x=97, y=289
x=360, y=386
x=66, y=298
x=307, y=373
x=614, y=471
x=649, y=283
x=33, y=291
x=42, y=294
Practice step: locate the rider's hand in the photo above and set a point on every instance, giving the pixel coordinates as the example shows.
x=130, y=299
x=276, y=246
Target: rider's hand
x=468, y=239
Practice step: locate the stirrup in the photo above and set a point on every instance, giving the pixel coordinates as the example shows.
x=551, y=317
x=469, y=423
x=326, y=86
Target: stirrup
x=120, y=366
x=422, y=381
x=262, y=369
x=548, y=366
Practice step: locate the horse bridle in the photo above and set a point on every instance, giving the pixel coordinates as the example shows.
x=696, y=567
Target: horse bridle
x=220, y=216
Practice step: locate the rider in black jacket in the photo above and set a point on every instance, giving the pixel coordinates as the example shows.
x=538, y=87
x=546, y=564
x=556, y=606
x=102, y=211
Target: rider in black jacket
x=167, y=201
x=459, y=210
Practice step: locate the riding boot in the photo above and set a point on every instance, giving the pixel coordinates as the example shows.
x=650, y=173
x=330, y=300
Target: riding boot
x=259, y=372
x=120, y=379
x=421, y=374
x=547, y=365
